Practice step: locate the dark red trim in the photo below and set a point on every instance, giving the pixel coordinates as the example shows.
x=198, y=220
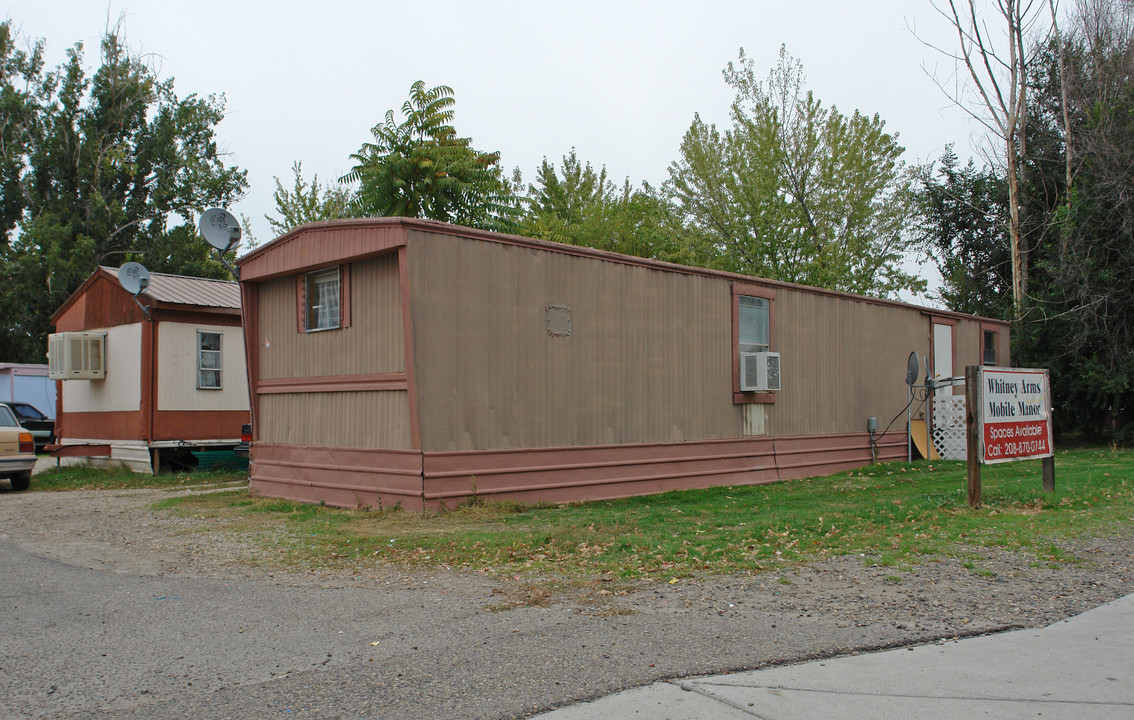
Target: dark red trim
x=407, y=343
x=190, y=425
x=249, y=303
x=149, y=380
x=944, y=319
x=322, y=245
x=344, y=295
x=228, y=318
x=342, y=477
x=185, y=425
x=101, y=302
x=333, y=383
x=58, y=451
x=352, y=477
x=110, y=425
x=301, y=303
x=60, y=428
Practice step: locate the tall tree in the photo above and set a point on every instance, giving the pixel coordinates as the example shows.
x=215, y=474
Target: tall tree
x=419, y=167
x=997, y=65
x=794, y=190
x=23, y=88
x=307, y=202
x=1082, y=273
x=579, y=205
x=962, y=220
x=1076, y=213
x=116, y=168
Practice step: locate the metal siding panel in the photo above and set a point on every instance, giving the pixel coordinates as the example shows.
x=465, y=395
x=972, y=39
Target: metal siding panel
x=373, y=343
x=186, y=290
x=372, y=420
x=969, y=343
x=193, y=291
x=843, y=360
x=490, y=376
x=177, y=369
x=121, y=391
x=337, y=476
x=319, y=246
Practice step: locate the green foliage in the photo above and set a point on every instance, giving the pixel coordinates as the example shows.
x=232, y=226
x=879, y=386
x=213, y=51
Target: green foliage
x=1077, y=233
x=85, y=477
x=581, y=206
x=306, y=203
x=962, y=222
x=795, y=191
x=889, y=514
x=113, y=167
x=421, y=168
x=22, y=90
x=1081, y=269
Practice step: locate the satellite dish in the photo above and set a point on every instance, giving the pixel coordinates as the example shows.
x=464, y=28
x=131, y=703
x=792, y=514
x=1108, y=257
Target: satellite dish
x=133, y=277
x=912, y=368
x=220, y=228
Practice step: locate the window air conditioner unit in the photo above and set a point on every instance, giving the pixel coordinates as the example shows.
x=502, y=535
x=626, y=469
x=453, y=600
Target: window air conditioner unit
x=76, y=356
x=759, y=372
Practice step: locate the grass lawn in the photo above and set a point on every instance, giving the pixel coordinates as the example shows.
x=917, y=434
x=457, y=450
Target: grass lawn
x=893, y=515
x=82, y=477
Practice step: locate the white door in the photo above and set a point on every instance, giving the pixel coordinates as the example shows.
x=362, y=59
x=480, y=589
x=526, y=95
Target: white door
x=942, y=350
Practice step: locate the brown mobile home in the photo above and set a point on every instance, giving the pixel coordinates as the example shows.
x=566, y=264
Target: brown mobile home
x=413, y=362
x=144, y=388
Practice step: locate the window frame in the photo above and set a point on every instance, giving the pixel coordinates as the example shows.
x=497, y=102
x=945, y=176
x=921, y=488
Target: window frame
x=303, y=288
x=757, y=291
x=985, y=332
x=310, y=284
x=219, y=369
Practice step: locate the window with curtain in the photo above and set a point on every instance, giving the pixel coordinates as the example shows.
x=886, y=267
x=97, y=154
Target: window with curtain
x=208, y=360
x=323, y=299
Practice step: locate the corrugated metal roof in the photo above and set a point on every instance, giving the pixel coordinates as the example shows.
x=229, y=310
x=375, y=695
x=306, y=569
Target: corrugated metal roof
x=329, y=242
x=195, y=291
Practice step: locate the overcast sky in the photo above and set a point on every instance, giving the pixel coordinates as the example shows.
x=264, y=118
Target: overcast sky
x=617, y=80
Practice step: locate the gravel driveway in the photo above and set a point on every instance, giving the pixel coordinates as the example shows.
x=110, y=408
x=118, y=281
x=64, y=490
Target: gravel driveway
x=109, y=609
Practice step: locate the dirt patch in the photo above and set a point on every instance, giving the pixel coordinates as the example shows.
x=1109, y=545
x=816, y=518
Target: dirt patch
x=991, y=589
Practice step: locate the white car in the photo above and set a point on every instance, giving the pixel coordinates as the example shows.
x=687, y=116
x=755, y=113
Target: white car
x=17, y=450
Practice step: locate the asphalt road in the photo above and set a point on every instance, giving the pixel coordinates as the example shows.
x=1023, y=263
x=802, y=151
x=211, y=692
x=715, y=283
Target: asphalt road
x=89, y=643
x=111, y=610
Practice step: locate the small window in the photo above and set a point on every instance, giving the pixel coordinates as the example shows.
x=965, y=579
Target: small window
x=323, y=300
x=753, y=331
x=755, y=325
x=989, y=355
x=208, y=360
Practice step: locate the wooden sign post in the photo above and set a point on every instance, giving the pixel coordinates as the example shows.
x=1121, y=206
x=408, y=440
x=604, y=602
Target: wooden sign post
x=1007, y=417
x=972, y=429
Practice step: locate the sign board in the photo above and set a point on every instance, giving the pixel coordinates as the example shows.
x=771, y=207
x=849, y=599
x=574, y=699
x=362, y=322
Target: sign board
x=1015, y=414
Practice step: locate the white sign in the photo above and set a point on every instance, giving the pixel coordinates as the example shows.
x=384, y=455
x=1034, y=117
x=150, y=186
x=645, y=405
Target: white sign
x=1015, y=414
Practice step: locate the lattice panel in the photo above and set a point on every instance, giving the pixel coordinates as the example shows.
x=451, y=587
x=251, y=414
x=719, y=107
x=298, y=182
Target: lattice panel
x=949, y=426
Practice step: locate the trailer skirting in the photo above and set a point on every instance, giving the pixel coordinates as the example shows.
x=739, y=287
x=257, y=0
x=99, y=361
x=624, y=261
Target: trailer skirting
x=416, y=480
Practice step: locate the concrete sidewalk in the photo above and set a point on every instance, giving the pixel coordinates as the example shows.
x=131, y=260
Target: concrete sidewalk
x=1079, y=669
